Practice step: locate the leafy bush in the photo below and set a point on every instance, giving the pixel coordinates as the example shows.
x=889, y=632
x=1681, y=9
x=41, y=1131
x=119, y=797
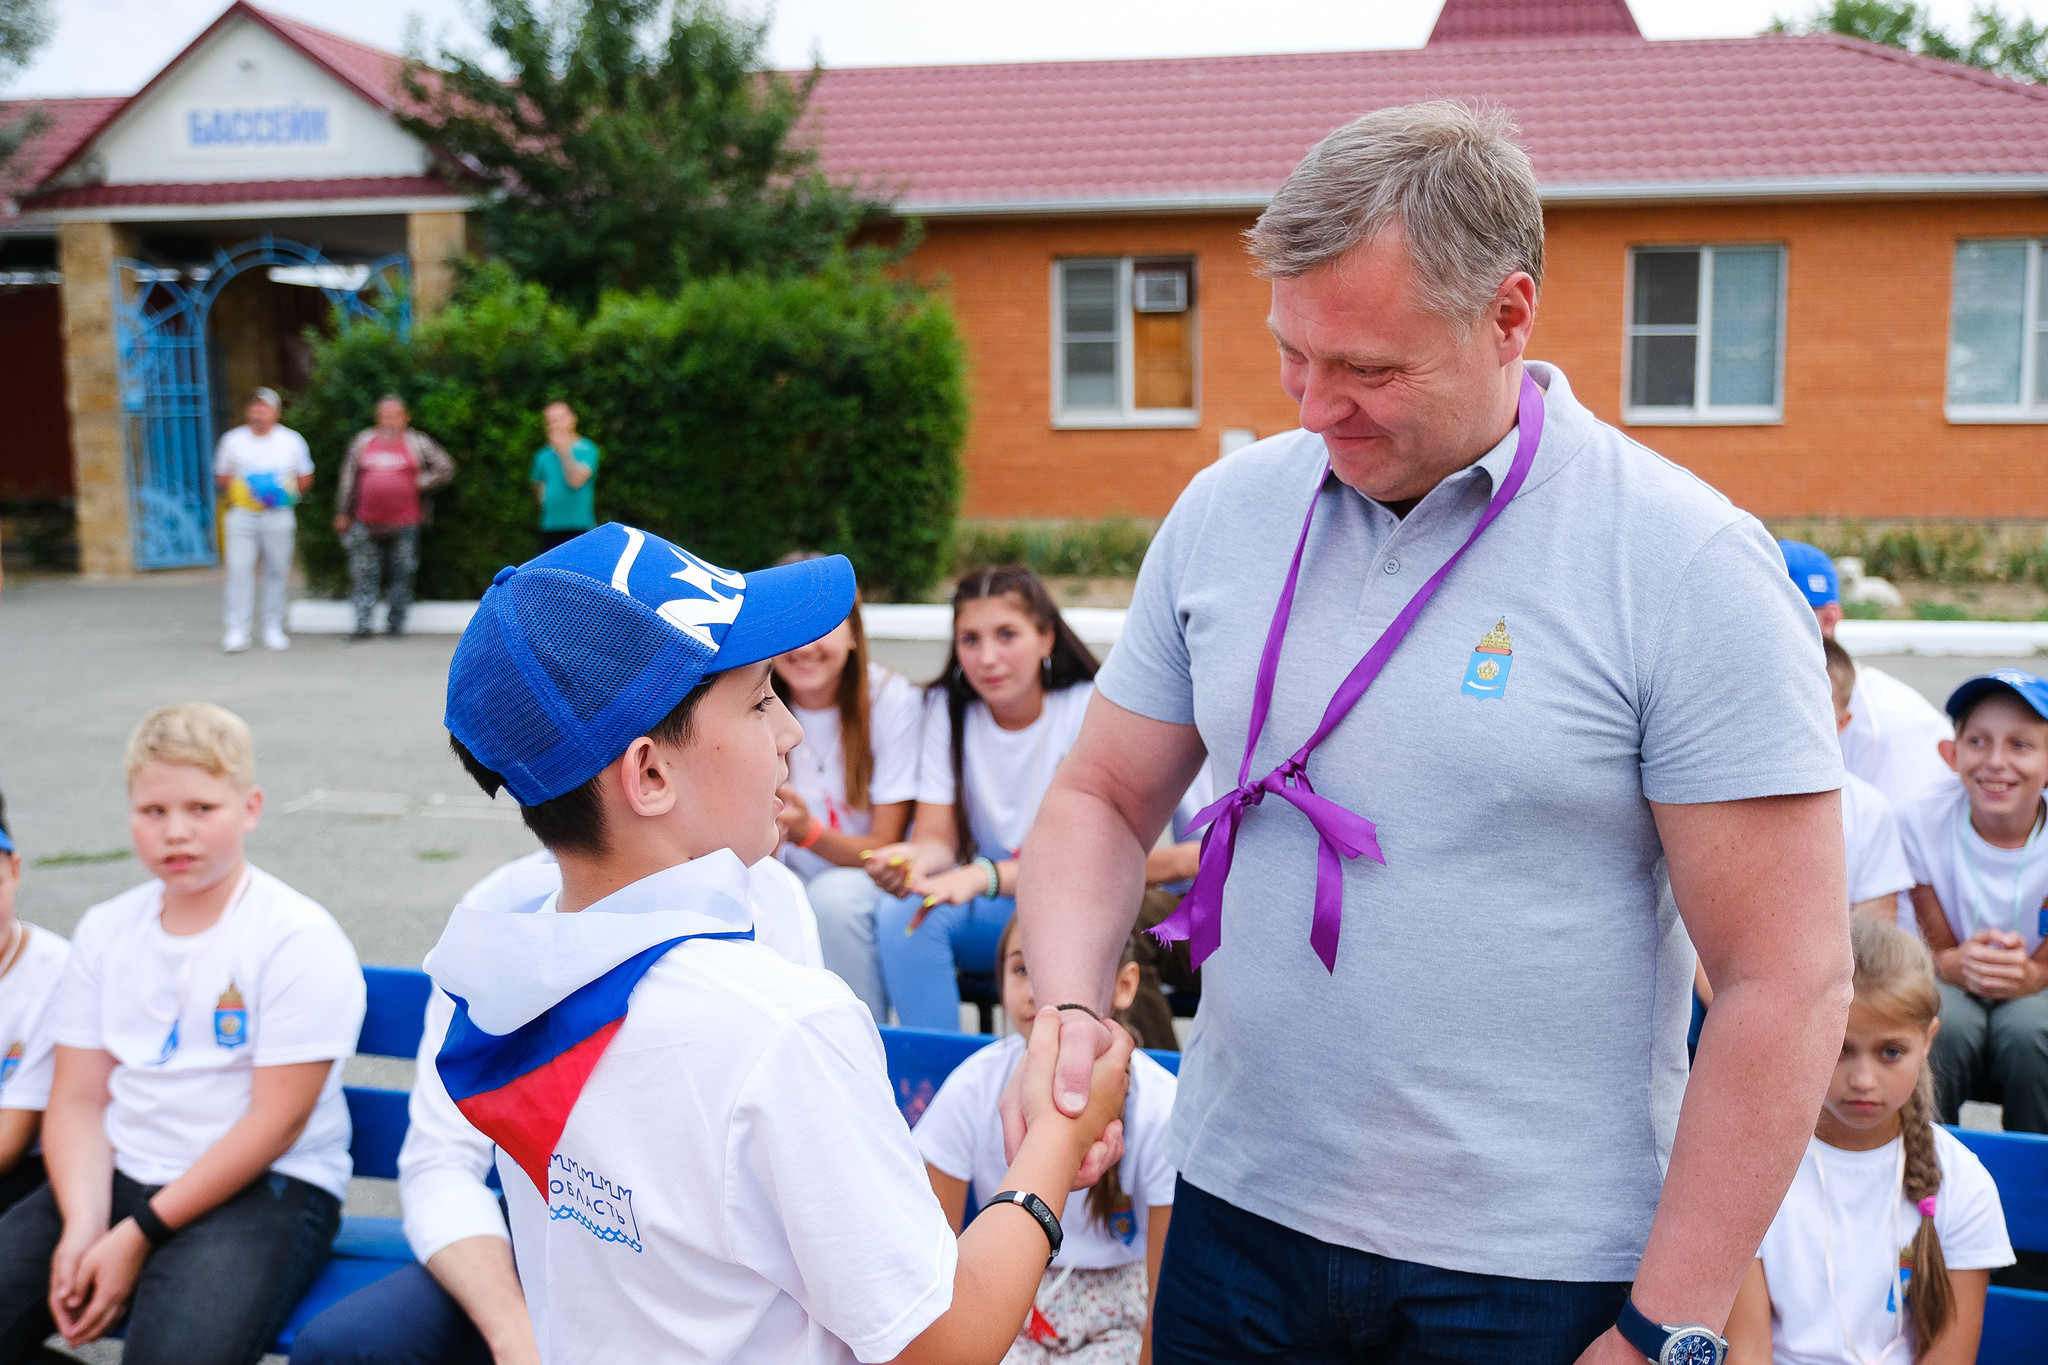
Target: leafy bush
x=1113, y=547
x=743, y=417
x=1954, y=554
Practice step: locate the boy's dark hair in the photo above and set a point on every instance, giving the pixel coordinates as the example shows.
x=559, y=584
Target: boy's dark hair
x=1841, y=672
x=574, y=821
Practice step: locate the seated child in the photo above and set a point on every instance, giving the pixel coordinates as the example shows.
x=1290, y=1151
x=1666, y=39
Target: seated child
x=1884, y=1246
x=698, y=1143
x=1877, y=860
x=1981, y=899
x=1095, y=1303
x=31, y=963
x=196, y=1134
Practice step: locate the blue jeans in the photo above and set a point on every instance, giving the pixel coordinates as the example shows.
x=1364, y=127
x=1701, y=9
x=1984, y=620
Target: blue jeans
x=215, y=1294
x=403, y=1319
x=920, y=968
x=1235, y=1286
x=845, y=900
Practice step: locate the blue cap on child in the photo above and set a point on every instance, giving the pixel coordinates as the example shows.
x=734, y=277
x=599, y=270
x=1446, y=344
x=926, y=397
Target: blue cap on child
x=575, y=654
x=2033, y=691
x=1812, y=572
x=6, y=844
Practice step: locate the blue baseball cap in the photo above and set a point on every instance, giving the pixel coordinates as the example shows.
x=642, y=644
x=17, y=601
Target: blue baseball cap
x=575, y=654
x=6, y=844
x=1813, y=573
x=2032, y=690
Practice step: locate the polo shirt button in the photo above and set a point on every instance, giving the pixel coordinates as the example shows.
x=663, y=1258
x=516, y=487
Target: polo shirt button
x=1393, y=566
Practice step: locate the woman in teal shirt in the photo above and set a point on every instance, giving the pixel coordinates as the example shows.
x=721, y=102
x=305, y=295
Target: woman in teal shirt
x=565, y=478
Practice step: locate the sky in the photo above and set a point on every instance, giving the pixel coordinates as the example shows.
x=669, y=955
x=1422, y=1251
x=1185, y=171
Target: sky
x=110, y=47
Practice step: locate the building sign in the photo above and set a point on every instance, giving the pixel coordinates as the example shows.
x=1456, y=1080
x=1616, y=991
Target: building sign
x=290, y=126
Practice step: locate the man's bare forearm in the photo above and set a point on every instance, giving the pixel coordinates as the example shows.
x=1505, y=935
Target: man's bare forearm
x=1078, y=889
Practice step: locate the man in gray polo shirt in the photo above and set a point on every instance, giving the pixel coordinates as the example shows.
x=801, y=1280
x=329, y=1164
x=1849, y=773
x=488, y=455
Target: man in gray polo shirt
x=1607, y=729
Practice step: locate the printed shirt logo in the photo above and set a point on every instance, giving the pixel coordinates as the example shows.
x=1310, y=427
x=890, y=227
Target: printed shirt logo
x=1486, y=674
x=1123, y=1222
x=599, y=1203
x=11, y=1063
x=230, y=1019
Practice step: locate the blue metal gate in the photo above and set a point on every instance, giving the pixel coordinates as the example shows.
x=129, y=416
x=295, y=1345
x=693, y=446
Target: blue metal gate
x=166, y=387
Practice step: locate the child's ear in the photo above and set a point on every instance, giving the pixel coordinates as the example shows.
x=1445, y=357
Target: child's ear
x=1126, y=986
x=1947, y=749
x=252, y=809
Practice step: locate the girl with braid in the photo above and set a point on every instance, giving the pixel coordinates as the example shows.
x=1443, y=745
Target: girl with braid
x=1884, y=1247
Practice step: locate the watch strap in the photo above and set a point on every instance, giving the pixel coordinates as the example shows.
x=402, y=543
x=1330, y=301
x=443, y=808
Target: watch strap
x=1048, y=1222
x=154, y=1230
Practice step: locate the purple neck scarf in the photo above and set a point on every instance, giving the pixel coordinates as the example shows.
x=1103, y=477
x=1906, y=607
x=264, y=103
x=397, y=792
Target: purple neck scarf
x=1199, y=917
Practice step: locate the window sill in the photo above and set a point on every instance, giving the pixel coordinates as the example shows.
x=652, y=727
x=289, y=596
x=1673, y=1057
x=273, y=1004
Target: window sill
x=1141, y=419
x=1977, y=417
x=1698, y=417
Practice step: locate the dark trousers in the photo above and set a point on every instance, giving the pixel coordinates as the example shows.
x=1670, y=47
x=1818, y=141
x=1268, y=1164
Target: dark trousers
x=21, y=1182
x=1993, y=1050
x=1235, y=1287
x=391, y=553
x=215, y=1294
x=403, y=1319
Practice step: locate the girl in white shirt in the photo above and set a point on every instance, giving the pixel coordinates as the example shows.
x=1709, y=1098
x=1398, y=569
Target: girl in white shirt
x=851, y=784
x=1094, y=1303
x=1883, y=1249
x=997, y=723
x=31, y=964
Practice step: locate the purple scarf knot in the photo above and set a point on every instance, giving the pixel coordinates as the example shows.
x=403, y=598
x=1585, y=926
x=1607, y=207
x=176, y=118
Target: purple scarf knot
x=1199, y=916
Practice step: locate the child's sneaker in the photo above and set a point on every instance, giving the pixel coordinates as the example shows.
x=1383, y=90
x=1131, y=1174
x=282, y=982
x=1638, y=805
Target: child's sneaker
x=235, y=643
x=275, y=639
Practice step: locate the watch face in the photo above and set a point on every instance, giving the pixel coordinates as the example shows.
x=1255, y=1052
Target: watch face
x=1697, y=1347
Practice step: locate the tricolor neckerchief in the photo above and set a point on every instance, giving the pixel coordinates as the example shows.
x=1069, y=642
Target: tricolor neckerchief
x=518, y=1087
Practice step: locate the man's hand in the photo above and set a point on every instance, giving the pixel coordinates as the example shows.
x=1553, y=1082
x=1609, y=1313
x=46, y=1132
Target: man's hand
x=1083, y=1039
x=98, y=1288
x=1994, y=964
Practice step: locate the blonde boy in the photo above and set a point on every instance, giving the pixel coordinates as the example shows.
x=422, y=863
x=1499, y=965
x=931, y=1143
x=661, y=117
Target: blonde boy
x=697, y=1138
x=196, y=1135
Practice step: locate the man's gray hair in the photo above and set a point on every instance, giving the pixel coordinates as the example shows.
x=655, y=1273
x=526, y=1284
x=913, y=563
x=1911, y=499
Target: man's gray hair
x=1449, y=174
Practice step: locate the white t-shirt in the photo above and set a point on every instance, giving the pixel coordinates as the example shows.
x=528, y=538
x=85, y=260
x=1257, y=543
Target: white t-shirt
x=817, y=767
x=1007, y=771
x=1868, y=1222
x=188, y=1018
x=1980, y=887
x=961, y=1133
x=27, y=1049
x=1892, y=736
x=1877, y=860
x=279, y=452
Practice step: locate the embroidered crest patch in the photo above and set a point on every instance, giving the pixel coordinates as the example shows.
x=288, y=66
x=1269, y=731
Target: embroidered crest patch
x=1486, y=674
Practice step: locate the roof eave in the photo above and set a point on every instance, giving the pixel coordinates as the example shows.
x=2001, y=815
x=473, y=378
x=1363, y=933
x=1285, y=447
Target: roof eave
x=1588, y=193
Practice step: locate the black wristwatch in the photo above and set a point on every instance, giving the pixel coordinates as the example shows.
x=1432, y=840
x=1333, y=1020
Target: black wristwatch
x=1686, y=1343
x=1033, y=1205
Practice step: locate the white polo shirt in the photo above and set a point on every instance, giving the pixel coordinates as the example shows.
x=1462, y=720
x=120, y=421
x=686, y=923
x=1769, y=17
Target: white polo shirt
x=27, y=1047
x=1893, y=738
x=734, y=1182
x=1862, y=1213
x=961, y=1133
x=1007, y=771
x=188, y=1019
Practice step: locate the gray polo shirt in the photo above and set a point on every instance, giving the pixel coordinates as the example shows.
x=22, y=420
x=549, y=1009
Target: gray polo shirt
x=1491, y=1079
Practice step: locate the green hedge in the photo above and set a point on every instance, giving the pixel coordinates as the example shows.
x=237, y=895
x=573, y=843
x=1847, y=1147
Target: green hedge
x=742, y=418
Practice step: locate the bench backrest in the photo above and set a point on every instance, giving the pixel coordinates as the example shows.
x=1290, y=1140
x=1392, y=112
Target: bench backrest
x=2018, y=1163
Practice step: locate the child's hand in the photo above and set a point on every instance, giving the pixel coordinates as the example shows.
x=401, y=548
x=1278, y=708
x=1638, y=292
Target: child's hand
x=793, y=821
x=955, y=886
x=101, y=1285
x=1101, y=1123
x=1995, y=966
x=71, y=1248
x=891, y=867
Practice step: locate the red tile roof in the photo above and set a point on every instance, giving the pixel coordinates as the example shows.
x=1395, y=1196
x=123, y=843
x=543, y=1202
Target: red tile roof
x=1465, y=20
x=375, y=73
x=66, y=124
x=186, y=193
x=1601, y=117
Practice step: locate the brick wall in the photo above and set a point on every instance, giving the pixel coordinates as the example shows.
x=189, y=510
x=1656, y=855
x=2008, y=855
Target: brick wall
x=1866, y=342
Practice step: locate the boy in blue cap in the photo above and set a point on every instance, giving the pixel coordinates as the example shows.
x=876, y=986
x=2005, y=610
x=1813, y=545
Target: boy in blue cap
x=1982, y=898
x=697, y=1138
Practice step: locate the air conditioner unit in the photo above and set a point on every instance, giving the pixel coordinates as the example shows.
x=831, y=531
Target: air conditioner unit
x=1162, y=291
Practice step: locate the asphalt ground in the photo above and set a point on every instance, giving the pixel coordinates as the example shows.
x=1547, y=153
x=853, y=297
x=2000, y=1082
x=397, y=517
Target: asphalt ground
x=365, y=809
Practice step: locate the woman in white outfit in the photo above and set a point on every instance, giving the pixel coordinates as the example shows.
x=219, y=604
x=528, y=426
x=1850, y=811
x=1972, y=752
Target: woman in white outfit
x=851, y=784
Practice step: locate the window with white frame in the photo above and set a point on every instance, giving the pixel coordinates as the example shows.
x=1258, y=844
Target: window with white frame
x=1706, y=328
x=1998, y=333
x=1124, y=342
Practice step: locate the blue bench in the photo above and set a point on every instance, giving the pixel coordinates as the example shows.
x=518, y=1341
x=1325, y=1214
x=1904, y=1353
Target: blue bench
x=2015, y=1320
x=368, y=1249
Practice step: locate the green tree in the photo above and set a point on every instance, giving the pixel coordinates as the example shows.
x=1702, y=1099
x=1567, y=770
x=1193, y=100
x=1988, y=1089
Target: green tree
x=635, y=145
x=2010, y=45
x=24, y=26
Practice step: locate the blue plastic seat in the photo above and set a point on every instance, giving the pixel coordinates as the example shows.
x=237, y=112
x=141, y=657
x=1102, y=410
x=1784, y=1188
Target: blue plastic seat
x=2015, y=1320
